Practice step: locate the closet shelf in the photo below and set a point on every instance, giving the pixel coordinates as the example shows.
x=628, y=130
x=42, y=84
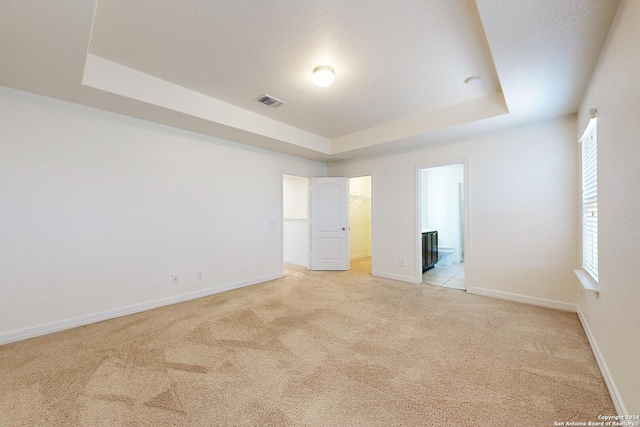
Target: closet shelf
x=362, y=199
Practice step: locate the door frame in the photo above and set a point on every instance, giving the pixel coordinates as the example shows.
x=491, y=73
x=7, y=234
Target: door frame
x=418, y=229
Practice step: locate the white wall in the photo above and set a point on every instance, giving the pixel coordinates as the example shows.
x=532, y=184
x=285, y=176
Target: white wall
x=523, y=207
x=360, y=216
x=97, y=211
x=296, y=219
x=612, y=317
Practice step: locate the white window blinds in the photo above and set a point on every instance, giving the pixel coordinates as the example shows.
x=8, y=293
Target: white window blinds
x=590, y=198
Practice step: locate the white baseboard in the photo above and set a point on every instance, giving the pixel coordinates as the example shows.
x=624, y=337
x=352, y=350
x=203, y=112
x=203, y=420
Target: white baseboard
x=398, y=277
x=48, y=328
x=360, y=256
x=558, y=305
x=296, y=262
x=608, y=379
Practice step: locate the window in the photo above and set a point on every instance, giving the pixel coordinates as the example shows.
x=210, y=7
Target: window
x=589, y=143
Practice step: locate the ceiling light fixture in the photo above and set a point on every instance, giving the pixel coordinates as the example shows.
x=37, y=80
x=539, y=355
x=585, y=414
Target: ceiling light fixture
x=323, y=76
x=472, y=81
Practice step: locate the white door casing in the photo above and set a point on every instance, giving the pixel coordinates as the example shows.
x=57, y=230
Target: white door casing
x=329, y=224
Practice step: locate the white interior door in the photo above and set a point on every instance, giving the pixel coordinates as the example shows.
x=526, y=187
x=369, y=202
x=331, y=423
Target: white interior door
x=329, y=224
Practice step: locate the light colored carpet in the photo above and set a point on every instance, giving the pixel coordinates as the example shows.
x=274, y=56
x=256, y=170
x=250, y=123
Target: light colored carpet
x=313, y=348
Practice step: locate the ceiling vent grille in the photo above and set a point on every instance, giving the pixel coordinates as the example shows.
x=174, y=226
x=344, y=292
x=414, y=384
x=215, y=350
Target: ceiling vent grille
x=270, y=101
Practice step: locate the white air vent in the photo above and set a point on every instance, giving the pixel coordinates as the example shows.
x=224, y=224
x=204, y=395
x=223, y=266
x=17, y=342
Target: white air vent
x=270, y=101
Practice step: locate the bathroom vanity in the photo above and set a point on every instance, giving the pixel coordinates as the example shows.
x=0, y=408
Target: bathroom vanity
x=429, y=249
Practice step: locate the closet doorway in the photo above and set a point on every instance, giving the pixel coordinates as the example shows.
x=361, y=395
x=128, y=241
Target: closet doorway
x=296, y=221
x=360, y=222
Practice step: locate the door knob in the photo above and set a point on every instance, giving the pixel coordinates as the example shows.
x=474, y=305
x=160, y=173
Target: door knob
x=343, y=228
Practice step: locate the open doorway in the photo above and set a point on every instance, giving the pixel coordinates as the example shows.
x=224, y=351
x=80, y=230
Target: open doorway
x=442, y=219
x=295, y=220
x=360, y=223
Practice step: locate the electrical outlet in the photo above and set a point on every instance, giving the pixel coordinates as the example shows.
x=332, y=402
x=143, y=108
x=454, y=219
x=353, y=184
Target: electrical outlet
x=401, y=263
x=174, y=279
x=199, y=274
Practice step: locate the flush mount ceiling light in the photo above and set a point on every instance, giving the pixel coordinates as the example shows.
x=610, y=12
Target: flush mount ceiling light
x=323, y=75
x=472, y=81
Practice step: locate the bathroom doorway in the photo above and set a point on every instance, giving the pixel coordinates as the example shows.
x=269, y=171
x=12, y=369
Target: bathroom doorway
x=442, y=222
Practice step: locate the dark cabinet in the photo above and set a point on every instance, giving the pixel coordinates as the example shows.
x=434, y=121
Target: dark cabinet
x=429, y=249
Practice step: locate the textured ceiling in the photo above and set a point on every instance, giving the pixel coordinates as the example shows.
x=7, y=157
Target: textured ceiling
x=393, y=60
x=400, y=66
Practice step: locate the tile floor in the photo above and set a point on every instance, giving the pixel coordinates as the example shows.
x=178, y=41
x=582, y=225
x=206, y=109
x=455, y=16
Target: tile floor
x=447, y=276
